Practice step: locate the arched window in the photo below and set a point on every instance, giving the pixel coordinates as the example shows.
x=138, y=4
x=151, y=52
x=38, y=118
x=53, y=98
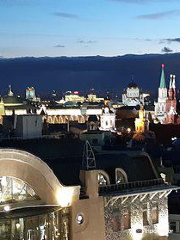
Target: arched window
x=103, y=178
x=121, y=176
x=15, y=190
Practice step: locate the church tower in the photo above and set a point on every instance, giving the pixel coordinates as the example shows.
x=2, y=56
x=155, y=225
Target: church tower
x=141, y=123
x=160, y=105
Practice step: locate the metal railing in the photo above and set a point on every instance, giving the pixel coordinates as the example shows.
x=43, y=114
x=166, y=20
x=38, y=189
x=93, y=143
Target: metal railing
x=129, y=186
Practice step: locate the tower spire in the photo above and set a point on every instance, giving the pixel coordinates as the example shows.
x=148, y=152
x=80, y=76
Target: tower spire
x=89, y=161
x=163, y=81
x=10, y=93
x=174, y=82
x=171, y=81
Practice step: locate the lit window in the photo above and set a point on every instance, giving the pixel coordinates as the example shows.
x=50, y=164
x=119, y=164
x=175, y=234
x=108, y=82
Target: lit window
x=145, y=215
x=102, y=180
x=15, y=190
x=121, y=176
x=116, y=220
x=80, y=219
x=126, y=218
x=155, y=214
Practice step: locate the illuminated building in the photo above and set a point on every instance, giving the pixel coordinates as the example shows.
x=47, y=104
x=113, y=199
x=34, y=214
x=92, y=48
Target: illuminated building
x=30, y=94
x=60, y=189
x=160, y=105
x=171, y=115
x=141, y=123
x=107, y=99
x=74, y=97
x=132, y=95
x=15, y=105
x=92, y=97
x=108, y=119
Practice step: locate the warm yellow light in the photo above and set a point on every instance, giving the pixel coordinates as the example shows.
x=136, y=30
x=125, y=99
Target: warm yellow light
x=18, y=225
x=64, y=196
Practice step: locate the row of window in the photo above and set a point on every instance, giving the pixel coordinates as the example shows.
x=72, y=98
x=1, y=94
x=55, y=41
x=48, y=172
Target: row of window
x=120, y=177
x=121, y=219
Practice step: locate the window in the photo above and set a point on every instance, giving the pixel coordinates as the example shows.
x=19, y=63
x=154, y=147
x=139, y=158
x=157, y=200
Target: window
x=173, y=226
x=116, y=220
x=155, y=214
x=102, y=180
x=15, y=190
x=145, y=215
x=126, y=218
x=121, y=176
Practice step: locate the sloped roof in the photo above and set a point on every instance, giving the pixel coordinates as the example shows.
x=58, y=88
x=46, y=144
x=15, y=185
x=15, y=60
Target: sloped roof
x=64, y=156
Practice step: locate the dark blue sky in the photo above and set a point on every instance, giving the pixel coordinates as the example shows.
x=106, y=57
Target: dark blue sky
x=88, y=27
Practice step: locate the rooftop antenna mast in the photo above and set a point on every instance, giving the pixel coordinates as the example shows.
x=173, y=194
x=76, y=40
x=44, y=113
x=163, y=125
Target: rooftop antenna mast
x=89, y=161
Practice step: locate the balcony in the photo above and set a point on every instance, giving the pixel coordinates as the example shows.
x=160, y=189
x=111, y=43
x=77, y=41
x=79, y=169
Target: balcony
x=130, y=186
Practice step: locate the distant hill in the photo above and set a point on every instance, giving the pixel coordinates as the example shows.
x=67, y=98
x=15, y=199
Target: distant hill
x=83, y=73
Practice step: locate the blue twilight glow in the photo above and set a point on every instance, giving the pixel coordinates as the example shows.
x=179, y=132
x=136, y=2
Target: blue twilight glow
x=88, y=27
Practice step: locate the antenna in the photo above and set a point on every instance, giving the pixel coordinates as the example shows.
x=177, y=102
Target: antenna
x=89, y=161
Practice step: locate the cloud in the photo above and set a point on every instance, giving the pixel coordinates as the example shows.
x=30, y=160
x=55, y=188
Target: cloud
x=160, y=15
x=86, y=42
x=59, y=46
x=169, y=40
x=66, y=15
x=173, y=40
x=166, y=50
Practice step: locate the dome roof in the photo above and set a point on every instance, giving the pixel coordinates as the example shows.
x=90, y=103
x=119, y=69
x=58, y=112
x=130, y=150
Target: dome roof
x=13, y=100
x=132, y=85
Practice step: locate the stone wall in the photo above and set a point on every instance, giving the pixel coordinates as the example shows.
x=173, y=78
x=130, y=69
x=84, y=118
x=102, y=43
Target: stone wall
x=137, y=231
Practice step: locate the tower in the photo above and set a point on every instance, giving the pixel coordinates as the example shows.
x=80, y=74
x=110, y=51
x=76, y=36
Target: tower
x=10, y=93
x=160, y=105
x=171, y=102
x=141, y=123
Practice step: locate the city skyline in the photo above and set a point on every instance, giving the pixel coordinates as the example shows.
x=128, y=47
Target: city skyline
x=84, y=28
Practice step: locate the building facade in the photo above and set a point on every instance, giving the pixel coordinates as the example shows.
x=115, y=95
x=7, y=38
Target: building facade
x=132, y=96
x=104, y=196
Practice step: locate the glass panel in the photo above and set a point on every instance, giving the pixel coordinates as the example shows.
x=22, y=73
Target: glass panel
x=50, y=226
x=15, y=190
x=119, y=177
x=102, y=179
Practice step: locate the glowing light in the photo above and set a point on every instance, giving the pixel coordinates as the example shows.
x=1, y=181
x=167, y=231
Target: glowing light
x=163, y=65
x=18, y=225
x=7, y=208
x=76, y=92
x=3, y=181
x=64, y=196
x=128, y=130
x=80, y=219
